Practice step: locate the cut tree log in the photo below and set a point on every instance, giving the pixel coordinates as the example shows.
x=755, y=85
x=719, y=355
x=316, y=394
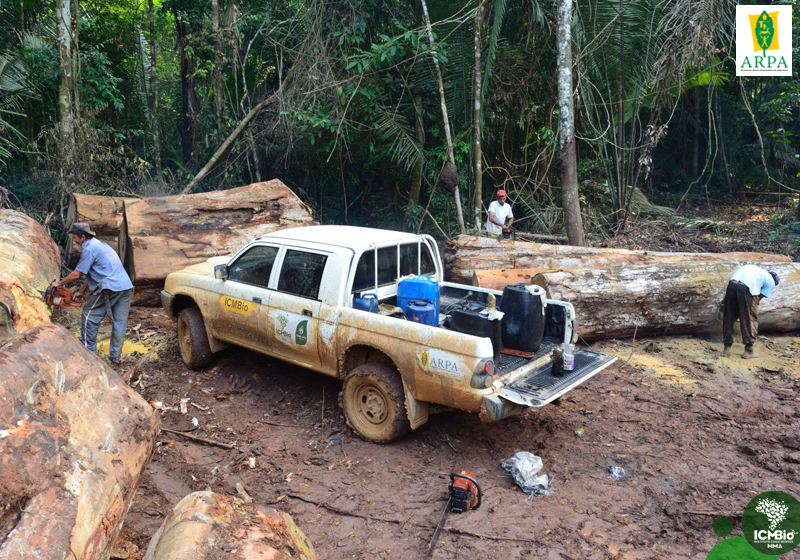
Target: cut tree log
x=465, y=254
x=163, y=234
x=74, y=441
x=29, y=261
x=102, y=213
x=499, y=279
x=665, y=298
x=208, y=526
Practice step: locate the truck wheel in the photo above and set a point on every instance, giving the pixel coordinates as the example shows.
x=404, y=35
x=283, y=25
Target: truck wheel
x=192, y=339
x=374, y=403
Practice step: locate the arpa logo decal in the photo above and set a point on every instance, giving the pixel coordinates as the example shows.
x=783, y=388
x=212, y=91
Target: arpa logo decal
x=437, y=360
x=770, y=525
x=763, y=40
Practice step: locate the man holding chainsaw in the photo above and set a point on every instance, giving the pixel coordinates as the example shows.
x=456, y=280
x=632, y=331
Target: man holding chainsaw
x=500, y=216
x=110, y=289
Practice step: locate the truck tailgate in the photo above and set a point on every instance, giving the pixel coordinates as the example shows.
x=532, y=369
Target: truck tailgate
x=539, y=387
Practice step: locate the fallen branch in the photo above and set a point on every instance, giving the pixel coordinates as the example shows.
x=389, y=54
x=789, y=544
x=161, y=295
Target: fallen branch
x=403, y=522
x=200, y=439
x=280, y=425
x=127, y=377
x=253, y=113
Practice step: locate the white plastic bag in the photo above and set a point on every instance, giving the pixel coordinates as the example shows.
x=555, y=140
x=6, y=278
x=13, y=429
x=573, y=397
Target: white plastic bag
x=525, y=467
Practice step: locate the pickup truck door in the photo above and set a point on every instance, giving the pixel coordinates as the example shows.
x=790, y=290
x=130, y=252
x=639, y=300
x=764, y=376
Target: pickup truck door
x=294, y=307
x=239, y=314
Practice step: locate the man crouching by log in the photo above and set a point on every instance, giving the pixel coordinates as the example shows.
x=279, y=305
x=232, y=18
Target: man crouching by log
x=109, y=287
x=748, y=285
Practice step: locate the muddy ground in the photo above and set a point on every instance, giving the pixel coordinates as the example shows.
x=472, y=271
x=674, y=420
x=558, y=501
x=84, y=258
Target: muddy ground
x=697, y=434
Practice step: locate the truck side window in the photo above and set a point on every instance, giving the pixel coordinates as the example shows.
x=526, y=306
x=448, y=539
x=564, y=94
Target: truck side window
x=408, y=260
x=387, y=265
x=365, y=272
x=301, y=273
x=365, y=269
x=254, y=267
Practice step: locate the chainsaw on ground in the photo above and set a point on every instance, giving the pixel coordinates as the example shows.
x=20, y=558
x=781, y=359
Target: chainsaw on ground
x=465, y=494
x=61, y=297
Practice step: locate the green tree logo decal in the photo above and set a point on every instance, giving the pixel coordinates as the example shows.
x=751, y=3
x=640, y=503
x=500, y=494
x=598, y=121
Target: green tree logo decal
x=765, y=31
x=301, y=333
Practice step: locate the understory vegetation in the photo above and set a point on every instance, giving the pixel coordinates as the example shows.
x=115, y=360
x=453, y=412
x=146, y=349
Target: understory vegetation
x=341, y=102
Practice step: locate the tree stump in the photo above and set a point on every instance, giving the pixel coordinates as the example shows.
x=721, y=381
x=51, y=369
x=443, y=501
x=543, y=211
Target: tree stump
x=102, y=213
x=29, y=261
x=207, y=526
x=74, y=441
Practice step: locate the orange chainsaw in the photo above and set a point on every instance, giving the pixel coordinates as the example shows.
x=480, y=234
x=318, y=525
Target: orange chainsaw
x=61, y=297
x=465, y=494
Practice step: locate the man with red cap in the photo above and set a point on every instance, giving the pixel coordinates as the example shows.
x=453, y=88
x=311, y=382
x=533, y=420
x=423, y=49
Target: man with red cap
x=499, y=213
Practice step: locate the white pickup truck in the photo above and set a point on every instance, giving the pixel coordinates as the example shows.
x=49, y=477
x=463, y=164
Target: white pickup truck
x=294, y=294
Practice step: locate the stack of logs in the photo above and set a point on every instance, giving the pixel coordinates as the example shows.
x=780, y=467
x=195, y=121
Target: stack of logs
x=622, y=293
x=158, y=235
x=75, y=439
x=29, y=261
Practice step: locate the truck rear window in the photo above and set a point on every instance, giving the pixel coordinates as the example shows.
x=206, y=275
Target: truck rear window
x=387, y=265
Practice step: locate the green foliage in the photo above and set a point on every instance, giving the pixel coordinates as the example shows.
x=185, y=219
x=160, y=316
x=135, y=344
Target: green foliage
x=344, y=134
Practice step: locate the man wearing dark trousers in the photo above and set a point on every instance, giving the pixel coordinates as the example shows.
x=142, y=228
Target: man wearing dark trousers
x=748, y=285
x=110, y=290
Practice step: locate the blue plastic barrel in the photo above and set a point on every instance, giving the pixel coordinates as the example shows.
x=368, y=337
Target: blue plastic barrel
x=421, y=312
x=417, y=288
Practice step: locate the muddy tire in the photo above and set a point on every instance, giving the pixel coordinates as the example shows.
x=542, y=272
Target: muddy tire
x=192, y=339
x=374, y=403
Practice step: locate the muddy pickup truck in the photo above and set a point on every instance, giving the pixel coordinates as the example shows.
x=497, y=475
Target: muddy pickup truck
x=370, y=307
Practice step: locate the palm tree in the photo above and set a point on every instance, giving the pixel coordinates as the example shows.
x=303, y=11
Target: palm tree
x=13, y=84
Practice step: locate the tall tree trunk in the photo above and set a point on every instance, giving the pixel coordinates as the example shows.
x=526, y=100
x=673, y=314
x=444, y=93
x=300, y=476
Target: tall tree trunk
x=696, y=141
x=152, y=93
x=622, y=185
x=566, y=137
x=216, y=74
x=416, y=172
x=477, y=117
x=76, y=61
x=66, y=118
x=445, y=118
x=190, y=105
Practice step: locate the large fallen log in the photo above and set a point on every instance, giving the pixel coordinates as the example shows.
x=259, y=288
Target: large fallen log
x=665, y=298
x=102, y=213
x=208, y=526
x=465, y=254
x=163, y=234
x=29, y=261
x=74, y=440
x=499, y=279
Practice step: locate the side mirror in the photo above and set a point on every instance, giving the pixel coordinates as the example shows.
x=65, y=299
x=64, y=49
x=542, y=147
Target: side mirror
x=221, y=271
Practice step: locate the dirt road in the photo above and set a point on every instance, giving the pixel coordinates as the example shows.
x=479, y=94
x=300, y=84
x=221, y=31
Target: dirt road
x=698, y=436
